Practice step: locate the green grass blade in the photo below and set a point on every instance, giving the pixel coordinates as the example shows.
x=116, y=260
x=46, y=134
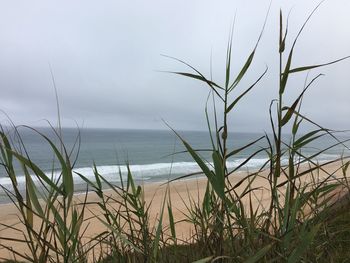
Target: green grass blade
x=300, y=69
x=159, y=229
x=306, y=136
x=31, y=190
x=37, y=171
x=67, y=177
x=130, y=181
x=228, y=59
x=281, y=43
x=285, y=75
x=260, y=254
x=171, y=221
x=230, y=107
x=306, y=142
x=204, y=260
x=234, y=152
x=87, y=180
x=291, y=110
x=212, y=84
x=219, y=179
x=243, y=71
x=305, y=240
x=200, y=75
x=248, y=62
x=208, y=173
x=119, y=235
x=6, y=152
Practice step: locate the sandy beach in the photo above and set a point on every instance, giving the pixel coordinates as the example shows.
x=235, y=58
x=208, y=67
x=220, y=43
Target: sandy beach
x=180, y=194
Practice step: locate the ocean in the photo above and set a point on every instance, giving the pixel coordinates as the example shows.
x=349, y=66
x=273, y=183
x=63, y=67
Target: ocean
x=153, y=155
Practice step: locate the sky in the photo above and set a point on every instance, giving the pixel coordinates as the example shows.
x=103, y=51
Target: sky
x=107, y=61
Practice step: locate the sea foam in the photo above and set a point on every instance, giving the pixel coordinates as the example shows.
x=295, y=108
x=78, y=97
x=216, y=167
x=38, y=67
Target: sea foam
x=144, y=172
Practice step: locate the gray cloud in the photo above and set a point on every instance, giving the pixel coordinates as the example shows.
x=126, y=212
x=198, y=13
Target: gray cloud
x=106, y=59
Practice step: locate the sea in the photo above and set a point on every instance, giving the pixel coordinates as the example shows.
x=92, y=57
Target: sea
x=152, y=155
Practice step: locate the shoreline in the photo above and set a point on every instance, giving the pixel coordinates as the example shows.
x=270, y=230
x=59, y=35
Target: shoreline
x=79, y=187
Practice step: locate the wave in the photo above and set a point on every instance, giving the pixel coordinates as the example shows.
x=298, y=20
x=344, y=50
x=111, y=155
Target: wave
x=145, y=172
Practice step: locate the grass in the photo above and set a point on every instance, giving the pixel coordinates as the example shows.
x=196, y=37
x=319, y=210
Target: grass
x=295, y=225
x=332, y=241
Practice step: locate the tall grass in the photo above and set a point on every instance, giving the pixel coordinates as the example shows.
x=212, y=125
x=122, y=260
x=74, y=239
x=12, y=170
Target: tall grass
x=231, y=222
x=52, y=221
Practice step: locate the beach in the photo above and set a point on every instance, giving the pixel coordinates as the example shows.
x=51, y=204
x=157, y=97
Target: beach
x=181, y=193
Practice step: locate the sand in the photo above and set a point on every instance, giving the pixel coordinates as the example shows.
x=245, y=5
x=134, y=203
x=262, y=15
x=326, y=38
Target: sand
x=180, y=193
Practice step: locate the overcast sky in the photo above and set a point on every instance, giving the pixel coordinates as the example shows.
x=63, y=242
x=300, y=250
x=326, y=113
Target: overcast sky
x=106, y=60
